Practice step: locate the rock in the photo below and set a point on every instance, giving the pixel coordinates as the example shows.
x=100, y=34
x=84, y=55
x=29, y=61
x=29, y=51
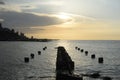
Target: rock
x=68, y=77
x=107, y=78
x=94, y=75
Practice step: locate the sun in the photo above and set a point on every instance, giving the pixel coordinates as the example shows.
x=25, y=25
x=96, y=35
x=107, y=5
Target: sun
x=63, y=16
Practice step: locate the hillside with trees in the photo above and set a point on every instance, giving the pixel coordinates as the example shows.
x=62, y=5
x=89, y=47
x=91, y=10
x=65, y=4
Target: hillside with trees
x=7, y=34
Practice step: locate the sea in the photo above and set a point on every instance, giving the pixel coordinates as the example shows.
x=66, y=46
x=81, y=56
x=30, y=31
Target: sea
x=43, y=67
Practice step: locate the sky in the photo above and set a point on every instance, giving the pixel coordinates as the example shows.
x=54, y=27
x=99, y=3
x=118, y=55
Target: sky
x=63, y=19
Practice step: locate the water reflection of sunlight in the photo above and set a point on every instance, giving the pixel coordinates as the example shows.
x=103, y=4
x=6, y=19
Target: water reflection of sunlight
x=75, y=55
x=64, y=43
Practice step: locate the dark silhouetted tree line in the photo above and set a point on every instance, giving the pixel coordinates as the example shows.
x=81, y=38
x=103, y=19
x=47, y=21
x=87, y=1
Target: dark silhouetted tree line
x=7, y=34
x=10, y=35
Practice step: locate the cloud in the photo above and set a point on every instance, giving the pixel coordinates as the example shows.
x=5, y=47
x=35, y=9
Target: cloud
x=15, y=8
x=1, y=20
x=2, y=3
x=79, y=18
x=20, y=19
x=24, y=7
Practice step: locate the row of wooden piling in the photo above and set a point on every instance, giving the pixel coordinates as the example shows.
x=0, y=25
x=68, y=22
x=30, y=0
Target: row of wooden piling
x=93, y=56
x=32, y=55
x=100, y=60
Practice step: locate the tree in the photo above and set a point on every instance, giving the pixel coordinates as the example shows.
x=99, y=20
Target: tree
x=0, y=25
x=32, y=37
x=13, y=30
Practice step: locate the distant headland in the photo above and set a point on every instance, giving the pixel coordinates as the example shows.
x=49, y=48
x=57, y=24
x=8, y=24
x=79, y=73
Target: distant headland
x=7, y=34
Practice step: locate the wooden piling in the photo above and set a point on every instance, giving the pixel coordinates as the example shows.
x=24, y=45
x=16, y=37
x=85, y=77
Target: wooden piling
x=78, y=49
x=26, y=59
x=32, y=55
x=100, y=60
x=45, y=48
x=86, y=53
x=39, y=52
x=93, y=56
x=82, y=50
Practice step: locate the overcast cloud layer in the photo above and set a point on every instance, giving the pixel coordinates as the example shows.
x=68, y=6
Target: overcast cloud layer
x=90, y=17
x=13, y=14
x=20, y=19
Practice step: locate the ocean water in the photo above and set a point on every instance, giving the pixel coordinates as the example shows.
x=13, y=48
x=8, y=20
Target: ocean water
x=42, y=67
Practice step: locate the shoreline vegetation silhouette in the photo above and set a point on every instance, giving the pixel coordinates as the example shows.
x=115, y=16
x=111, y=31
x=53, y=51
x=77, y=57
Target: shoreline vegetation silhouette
x=7, y=34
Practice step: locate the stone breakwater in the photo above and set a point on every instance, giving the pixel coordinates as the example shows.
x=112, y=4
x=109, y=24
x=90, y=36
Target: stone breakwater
x=65, y=66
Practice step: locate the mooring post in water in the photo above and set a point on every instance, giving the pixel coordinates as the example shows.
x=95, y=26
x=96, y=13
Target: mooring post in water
x=86, y=53
x=100, y=60
x=65, y=66
x=78, y=49
x=26, y=59
x=45, y=48
x=32, y=55
x=39, y=52
x=82, y=50
x=93, y=56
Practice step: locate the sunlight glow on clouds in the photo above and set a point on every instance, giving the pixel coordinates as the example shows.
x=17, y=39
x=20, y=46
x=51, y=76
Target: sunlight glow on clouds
x=63, y=19
x=63, y=16
x=20, y=19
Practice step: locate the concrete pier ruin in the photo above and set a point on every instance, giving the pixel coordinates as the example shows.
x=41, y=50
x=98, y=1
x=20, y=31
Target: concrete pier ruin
x=65, y=66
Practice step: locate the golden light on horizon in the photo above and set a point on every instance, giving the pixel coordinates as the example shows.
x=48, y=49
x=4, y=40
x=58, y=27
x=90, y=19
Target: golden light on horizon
x=79, y=31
